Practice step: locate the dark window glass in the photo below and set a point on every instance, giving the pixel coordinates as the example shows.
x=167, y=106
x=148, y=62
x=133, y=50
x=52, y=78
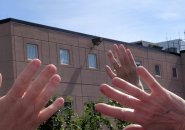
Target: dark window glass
x=157, y=70
x=138, y=63
x=174, y=71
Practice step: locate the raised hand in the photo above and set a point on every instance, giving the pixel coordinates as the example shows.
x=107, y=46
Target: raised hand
x=22, y=108
x=159, y=110
x=124, y=65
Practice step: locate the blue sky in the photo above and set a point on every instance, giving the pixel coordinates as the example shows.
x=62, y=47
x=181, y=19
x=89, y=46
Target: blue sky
x=125, y=20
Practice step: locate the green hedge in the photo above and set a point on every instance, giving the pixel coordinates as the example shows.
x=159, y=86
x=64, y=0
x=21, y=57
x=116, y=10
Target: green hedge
x=67, y=119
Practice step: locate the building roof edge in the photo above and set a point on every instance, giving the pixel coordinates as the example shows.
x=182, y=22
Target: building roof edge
x=55, y=28
x=72, y=32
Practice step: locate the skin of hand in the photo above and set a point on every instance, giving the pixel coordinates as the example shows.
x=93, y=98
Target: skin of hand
x=22, y=108
x=159, y=110
x=124, y=65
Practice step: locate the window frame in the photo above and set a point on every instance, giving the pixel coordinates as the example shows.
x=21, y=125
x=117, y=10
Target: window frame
x=68, y=52
x=88, y=60
x=27, y=51
x=176, y=73
x=156, y=73
x=138, y=63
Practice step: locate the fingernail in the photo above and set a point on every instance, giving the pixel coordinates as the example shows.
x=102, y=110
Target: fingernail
x=56, y=79
x=52, y=68
x=36, y=62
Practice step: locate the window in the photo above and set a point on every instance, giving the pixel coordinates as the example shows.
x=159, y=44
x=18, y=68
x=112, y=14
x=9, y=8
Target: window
x=92, y=61
x=64, y=56
x=32, y=51
x=174, y=72
x=138, y=63
x=157, y=70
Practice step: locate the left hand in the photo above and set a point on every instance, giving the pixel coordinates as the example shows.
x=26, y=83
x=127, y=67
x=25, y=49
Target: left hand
x=123, y=64
x=23, y=107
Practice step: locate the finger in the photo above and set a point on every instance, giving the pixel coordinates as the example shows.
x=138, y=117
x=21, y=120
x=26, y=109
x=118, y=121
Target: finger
x=23, y=80
x=134, y=127
x=149, y=79
x=116, y=51
x=131, y=58
x=124, y=59
x=130, y=89
x=124, y=114
x=39, y=83
x=133, y=63
x=120, y=54
x=48, y=92
x=123, y=99
x=0, y=79
x=50, y=110
x=109, y=71
x=113, y=60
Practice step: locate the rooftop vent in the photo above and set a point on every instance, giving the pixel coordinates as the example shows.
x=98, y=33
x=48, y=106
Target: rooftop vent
x=96, y=41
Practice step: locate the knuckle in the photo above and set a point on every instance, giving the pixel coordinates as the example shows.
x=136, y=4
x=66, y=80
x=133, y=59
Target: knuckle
x=128, y=100
x=115, y=65
x=39, y=83
x=22, y=80
x=138, y=93
x=45, y=99
x=121, y=117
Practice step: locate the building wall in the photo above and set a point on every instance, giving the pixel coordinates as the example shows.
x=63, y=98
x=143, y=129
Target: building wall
x=6, y=57
x=183, y=66
x=166, y=61
x=78, y=80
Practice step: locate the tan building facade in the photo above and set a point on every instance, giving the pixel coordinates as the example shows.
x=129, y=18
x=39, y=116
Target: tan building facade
x=80, y=63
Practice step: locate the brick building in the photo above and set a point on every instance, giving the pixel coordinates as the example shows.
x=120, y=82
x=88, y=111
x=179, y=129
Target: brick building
x=80, y=59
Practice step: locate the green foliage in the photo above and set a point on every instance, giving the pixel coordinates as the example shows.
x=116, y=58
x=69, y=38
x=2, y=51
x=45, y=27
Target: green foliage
x=119, y=123
x=91, y=120
x=67, y=119
x=54, y=122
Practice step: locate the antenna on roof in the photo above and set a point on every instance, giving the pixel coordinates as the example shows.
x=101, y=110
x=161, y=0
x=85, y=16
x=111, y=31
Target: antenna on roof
x=166, y=36
x=179, y=35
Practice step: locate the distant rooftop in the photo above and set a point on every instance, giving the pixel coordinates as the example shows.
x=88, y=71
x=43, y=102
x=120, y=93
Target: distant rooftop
x=175, y=45
x=147, y=44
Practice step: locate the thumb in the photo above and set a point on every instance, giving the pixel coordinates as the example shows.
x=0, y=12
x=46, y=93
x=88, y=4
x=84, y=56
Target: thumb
x=134, y=127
